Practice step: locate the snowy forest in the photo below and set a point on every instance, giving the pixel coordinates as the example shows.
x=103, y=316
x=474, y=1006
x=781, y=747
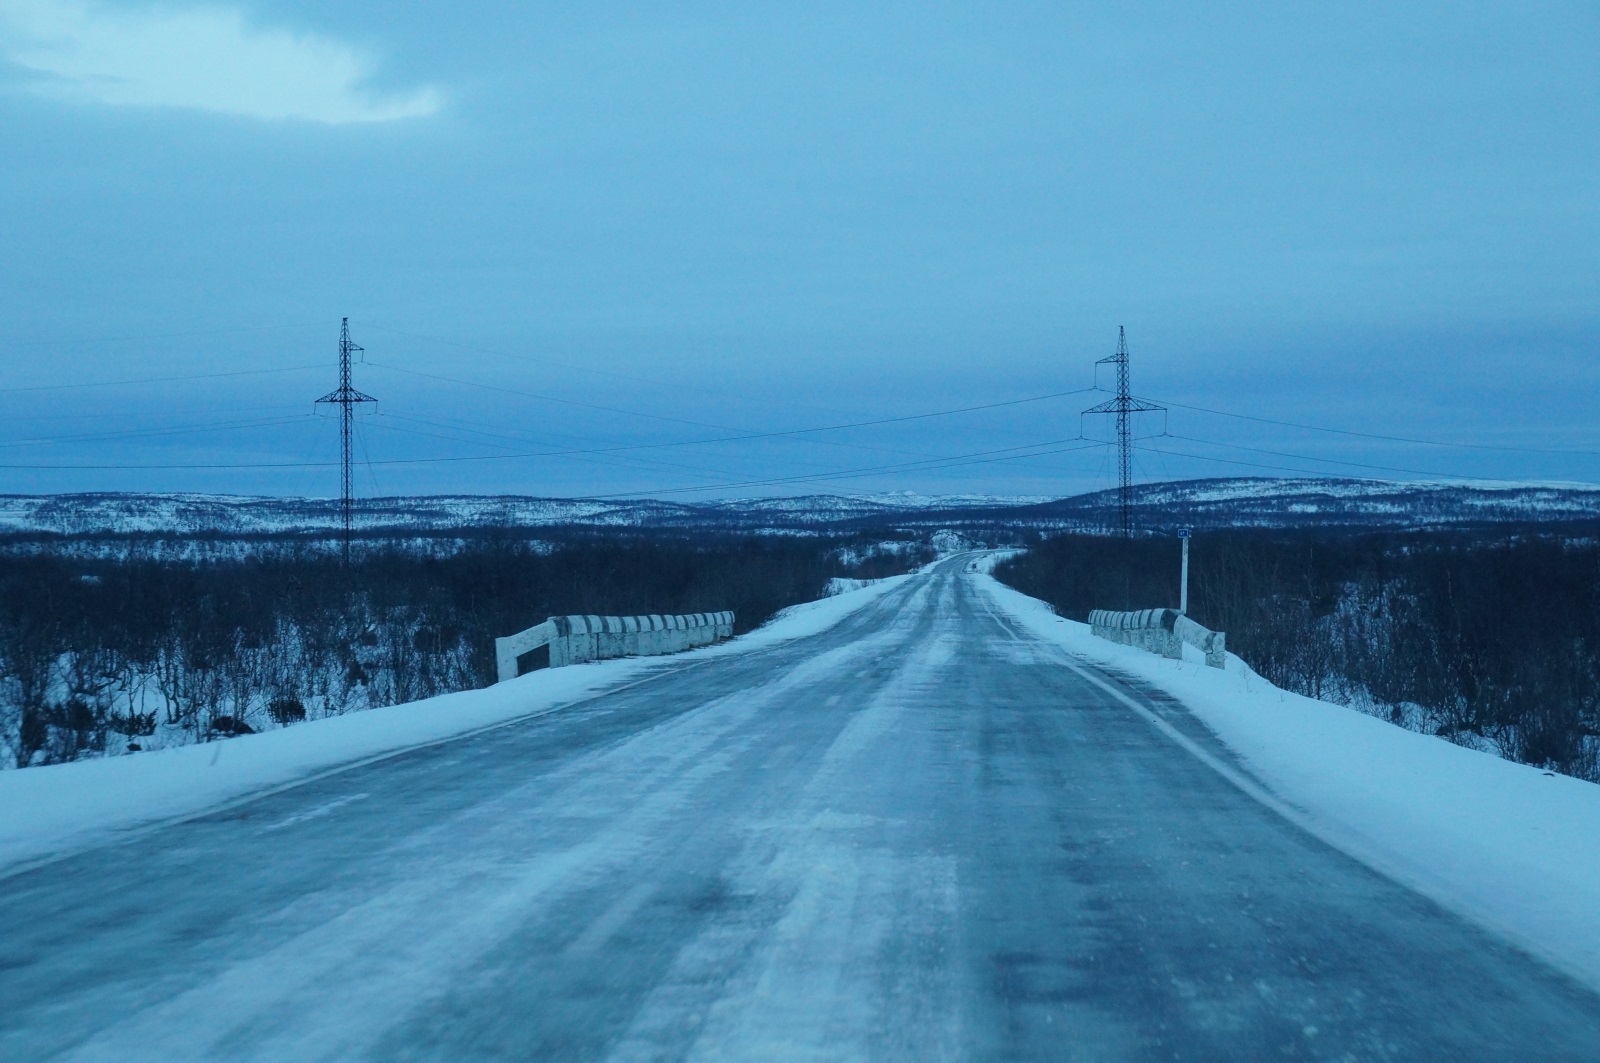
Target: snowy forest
x=1490, y=638
x=111, y=646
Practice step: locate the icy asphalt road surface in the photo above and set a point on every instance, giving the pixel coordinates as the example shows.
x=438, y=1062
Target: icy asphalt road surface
x=920, y=835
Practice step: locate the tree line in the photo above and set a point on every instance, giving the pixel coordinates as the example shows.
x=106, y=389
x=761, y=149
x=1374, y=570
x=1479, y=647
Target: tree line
x=1490, y=638
x=114, y=647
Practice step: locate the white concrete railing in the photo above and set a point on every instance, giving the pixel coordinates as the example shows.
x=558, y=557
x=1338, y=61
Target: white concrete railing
x=563, y=640
x=1162, y=631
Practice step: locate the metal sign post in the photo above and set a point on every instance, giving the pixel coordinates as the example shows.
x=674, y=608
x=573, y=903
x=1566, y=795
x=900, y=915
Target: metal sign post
x=1183, y=592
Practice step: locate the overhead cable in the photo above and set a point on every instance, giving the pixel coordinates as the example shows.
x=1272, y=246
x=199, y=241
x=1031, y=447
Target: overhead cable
x=1378, y=435
x=159, y=379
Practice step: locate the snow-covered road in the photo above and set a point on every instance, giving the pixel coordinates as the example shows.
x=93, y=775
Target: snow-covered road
x=921, y=834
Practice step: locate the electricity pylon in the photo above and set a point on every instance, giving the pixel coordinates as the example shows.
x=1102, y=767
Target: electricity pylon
x=344, y=396
x=1123, y=405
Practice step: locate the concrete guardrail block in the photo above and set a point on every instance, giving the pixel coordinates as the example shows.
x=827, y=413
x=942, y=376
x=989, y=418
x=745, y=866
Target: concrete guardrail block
x=1162, y=631
x=564, y=640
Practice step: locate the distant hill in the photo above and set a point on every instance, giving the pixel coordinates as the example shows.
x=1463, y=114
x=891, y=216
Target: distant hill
x=1289, y=502
x=250, y=516
x=1247, y=501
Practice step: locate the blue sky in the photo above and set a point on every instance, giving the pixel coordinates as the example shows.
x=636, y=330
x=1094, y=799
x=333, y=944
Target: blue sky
x=613, y=226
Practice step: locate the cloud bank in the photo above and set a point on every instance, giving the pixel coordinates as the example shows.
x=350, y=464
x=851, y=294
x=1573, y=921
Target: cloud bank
x=204, y=58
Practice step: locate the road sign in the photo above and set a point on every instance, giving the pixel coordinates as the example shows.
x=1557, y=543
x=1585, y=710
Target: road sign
x=1183, y=533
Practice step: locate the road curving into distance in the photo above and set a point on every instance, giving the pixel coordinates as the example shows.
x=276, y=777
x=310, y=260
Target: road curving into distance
x=920, y=835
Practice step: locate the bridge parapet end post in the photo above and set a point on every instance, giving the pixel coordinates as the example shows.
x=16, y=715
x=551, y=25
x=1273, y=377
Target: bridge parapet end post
x=513, y=652
x=1212, y=643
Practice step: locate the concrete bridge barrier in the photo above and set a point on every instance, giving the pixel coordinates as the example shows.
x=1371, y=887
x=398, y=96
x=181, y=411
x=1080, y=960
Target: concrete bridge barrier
x=1162, y=631
x=563, y=640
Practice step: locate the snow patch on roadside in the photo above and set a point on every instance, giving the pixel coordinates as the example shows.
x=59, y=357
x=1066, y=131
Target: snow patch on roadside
x=807, y=618
x=63, y=808
x=1511, y=847
x=838, y=585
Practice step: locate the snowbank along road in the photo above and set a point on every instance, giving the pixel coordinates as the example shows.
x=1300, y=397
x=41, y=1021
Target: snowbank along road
x=922, y=834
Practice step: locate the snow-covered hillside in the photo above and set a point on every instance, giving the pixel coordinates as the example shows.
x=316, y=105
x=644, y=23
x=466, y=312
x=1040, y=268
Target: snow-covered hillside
x=1239, y=501
x=252, y=515
x=1276, y=501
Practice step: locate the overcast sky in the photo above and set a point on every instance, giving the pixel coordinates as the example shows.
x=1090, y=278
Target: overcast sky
x=560, y=227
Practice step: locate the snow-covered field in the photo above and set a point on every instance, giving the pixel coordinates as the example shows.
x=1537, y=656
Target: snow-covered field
x=57, y=809
x=1509, y=846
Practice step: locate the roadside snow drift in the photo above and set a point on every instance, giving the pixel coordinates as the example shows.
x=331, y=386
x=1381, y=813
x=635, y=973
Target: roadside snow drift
x=1509, y=846
x=65, y=807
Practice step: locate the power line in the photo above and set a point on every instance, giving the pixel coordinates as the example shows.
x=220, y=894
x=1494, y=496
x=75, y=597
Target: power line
x=590, y=370
x=107, y=415
x=450, y=459
x=621, y=448
x=926, y=464
x=1381, y=436
x=851, y=473
x=979, y=457
x=740, y=436
x=546, y=398
x=372, y=474
x=211, y=426
x=1166, y=402
x=576, y=455
x=495, y=432
x=301, y=479
x=746, y=434
x=159, y=335
x=157, y=379
x=1325, y=461
x=479, y=349
x=931, y=462
x=743, y=434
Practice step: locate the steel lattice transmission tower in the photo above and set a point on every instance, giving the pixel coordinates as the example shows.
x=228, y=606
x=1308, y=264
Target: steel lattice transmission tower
x=345, y=397
x=1123, y=406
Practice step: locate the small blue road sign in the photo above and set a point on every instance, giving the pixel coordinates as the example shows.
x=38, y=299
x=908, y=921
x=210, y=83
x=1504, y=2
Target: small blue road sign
x=1183, y=533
